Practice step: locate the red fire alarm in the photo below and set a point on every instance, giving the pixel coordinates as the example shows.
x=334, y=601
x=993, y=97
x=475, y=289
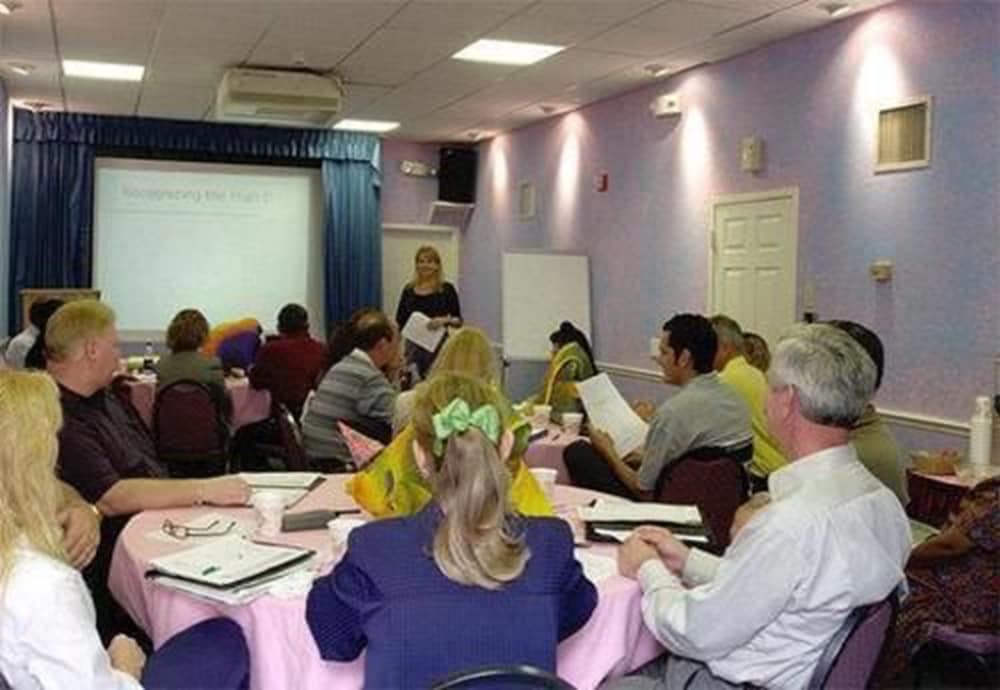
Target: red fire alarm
x=601, y=182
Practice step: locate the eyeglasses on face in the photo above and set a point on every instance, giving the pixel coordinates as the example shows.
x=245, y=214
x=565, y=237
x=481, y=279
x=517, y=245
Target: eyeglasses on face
x=212, y=529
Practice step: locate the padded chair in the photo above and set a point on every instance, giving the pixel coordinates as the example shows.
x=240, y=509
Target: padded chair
x=289, y=448
x=507, y=676
x=380, y=431
x=853, y=654
x=190, y=430
x=211, y=655
x=712, y=479
x=972, y=658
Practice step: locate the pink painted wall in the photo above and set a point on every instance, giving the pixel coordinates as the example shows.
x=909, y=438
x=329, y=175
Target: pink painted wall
x=812, y=99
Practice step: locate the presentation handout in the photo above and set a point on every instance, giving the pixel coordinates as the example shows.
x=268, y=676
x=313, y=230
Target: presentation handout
x=608, y=411
x=417, y=331
x=622, y=511
x=227, y=562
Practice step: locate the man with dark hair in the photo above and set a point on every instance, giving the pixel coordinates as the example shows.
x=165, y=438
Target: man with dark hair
x=21, y=344
x=705, y=416
x=872, y=440
x=359, y=390
x=289, y=366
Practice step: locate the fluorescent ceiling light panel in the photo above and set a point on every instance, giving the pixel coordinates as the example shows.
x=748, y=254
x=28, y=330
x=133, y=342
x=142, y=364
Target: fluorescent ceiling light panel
x=103, y=70
x=367, y=125
x=506, y=52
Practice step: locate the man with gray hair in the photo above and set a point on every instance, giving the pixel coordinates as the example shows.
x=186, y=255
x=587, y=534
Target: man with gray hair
x=832, y=539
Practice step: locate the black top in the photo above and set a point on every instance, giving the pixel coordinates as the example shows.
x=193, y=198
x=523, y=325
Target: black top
x=101, y=442
x=444, y=302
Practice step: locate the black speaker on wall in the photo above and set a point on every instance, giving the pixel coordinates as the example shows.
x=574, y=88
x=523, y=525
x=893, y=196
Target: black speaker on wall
x=457, y=175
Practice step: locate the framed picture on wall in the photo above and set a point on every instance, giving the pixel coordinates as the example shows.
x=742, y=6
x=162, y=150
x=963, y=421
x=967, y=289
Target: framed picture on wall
x=31, y=295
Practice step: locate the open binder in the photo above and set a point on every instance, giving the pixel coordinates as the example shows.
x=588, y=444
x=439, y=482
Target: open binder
x=230, y=562
x=613, y=521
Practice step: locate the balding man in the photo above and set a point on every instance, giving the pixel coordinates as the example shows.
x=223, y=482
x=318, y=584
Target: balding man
x=106, y=452
x=360, y=390
x=832, y=538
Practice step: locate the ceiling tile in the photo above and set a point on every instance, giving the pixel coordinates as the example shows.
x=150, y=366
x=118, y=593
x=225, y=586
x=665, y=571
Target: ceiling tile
x=391, y=57
x=173, y=101
x=572, y=66
x=322, y=33
x=104, y=97
x=360, y=96
x=107, y=30
x=27, y=34
x=461, y=20
x=565, y=22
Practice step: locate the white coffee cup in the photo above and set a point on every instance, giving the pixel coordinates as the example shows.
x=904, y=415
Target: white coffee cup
x=541, y=416
x=546, y=478
x=269, y=507
x=571, y=422
x=339, y=530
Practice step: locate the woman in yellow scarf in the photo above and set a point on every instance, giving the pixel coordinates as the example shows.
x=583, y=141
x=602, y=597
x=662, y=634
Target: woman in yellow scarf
x=572, y=362
x=392, y=485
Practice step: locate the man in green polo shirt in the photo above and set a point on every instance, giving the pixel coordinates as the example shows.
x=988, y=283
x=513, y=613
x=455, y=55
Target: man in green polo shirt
x=735, y=371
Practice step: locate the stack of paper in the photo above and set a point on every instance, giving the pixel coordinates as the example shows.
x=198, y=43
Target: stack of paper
x=230, y=569
x=294, y=486
x=640, y=513
x=608, y=411
x=417, y=331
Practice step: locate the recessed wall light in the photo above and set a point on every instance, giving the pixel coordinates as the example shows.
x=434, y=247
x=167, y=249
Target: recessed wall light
x=36, y=106
x=367, y=125
x=547, y=109
x=655, y=69
x=9, y=7
x=506, y=52
x=111, y=71
x=835, y=9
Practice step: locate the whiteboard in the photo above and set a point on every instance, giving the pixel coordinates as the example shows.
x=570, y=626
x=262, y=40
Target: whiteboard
x=540, y=291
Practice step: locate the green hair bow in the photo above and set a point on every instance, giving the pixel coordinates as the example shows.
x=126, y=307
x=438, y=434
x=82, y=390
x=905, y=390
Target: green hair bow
x=456, y=418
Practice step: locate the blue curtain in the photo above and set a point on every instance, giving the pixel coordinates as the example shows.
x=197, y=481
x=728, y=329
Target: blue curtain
x=353, y=252
x=53, y=193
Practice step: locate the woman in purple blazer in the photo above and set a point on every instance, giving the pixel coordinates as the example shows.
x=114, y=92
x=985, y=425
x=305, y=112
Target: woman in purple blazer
x=464, y=583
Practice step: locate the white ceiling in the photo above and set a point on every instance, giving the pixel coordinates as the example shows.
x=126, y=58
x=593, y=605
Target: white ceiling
x=394, y=55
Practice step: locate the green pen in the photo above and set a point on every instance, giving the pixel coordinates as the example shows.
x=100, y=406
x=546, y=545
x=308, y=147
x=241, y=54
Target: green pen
x=209, y=570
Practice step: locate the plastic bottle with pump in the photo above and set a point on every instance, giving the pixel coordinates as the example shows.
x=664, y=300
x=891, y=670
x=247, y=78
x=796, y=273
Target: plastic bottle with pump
x=148, y=356
x=981, y=432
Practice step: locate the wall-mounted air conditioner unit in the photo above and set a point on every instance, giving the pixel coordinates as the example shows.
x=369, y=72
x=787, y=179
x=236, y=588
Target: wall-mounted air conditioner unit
x=278, y=97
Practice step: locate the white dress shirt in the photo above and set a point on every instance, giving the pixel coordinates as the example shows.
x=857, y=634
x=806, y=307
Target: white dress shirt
x=833, y=538
x=19, y=346
x=48, y=634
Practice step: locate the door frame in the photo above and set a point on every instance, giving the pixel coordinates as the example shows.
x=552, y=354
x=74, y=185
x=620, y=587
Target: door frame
x=717, y=200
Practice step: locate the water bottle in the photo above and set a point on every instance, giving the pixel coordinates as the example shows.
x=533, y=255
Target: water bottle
x=147, y=358
x=980, y=433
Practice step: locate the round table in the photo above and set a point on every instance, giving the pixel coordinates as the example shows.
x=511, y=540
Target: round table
x=282, y=652
x=547, y=451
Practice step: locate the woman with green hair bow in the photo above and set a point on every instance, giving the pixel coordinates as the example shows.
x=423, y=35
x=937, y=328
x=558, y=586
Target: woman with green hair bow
x=392, y=485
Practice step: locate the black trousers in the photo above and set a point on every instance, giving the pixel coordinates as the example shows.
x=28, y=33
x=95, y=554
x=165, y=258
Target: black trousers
x=588, y=469
x=112, y=619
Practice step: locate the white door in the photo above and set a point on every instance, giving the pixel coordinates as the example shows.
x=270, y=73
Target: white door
x=400, y=243
x=754, y=244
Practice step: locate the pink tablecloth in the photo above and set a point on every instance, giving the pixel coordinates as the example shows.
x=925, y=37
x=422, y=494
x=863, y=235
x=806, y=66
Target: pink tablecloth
x=249, y=404
x=548, y=452
x=282, y=652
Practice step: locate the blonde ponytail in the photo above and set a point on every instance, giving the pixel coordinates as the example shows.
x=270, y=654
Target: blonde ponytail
x=477, y=541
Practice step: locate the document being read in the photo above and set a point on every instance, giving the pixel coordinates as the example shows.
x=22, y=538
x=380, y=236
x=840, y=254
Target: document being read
x=608, y=411
x=417, y=331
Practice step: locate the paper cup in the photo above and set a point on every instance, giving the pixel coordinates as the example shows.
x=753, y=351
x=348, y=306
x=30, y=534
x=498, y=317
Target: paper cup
x=546, y=478
x=571, y=422
x=339, y=529
x=541, y=415
x=269, y=507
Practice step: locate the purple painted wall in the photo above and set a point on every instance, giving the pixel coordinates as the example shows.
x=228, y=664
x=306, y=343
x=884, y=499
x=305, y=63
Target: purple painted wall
x=812, y=98
x=406, y=199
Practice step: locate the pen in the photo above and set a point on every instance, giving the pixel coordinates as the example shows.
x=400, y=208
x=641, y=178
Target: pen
x=209, y=570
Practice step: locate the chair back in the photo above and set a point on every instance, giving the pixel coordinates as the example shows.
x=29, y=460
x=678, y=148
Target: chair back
x=712, y=479
x=505, y=676
x=291, y=440
x=190, y=430
x=854, y=652
x=210, y=654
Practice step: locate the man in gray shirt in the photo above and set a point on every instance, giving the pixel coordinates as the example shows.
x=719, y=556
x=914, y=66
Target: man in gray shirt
x=705, y=415
x=356, y=390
